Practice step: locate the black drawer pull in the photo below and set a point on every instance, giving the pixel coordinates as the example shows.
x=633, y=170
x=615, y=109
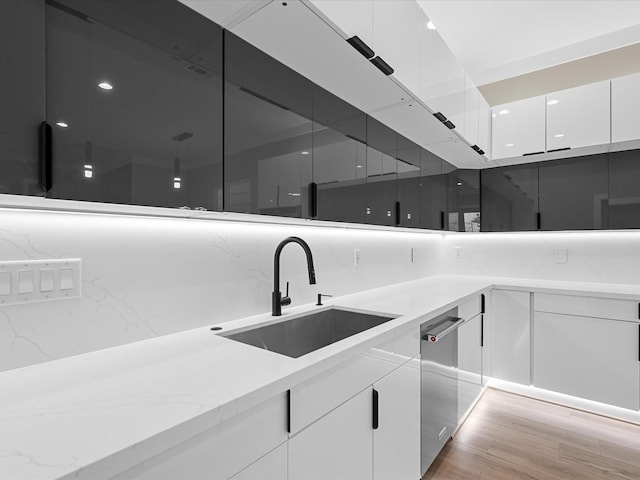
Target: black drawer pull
x=375, y=419
x=45, y=154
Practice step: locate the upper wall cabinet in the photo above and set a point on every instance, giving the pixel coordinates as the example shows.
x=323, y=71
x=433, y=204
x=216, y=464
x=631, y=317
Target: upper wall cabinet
x=471, y=111
x=484, y=126
x=408, y=183
x=624, y=197
x=339, y=158
x=585, y=206
x=134, y=95
x=462, y=211
x=353, y=17
x=518, y=128
x=579, y=117
x=268, y=133
x=625, y=105
x=21, y=95
x=382, y=171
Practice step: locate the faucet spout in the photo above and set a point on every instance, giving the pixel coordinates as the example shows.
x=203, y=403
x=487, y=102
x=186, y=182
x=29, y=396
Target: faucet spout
x=276, y=296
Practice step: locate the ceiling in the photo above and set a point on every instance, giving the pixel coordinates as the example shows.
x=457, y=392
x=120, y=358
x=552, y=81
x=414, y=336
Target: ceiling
x=501, y=43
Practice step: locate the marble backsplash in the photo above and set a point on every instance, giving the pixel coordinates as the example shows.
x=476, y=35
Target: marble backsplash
x=145, y=276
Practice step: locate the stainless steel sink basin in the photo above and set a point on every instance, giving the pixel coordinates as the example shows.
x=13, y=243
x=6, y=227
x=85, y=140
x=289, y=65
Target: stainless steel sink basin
x=302, y=335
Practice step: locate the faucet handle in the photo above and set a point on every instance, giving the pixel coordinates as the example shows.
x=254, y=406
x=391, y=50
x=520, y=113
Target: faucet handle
x=286, y=300
x=320, y=295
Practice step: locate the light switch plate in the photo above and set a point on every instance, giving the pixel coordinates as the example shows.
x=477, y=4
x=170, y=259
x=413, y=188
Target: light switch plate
x=39, y=280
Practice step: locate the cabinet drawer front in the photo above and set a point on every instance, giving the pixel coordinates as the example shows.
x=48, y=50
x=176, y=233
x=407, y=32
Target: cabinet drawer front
x=587, y=306
x=319, y=395
x=214, y=454
x=470, y=308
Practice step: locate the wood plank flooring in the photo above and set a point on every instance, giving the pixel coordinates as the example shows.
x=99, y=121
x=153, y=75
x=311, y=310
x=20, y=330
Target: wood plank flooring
x=512, y=437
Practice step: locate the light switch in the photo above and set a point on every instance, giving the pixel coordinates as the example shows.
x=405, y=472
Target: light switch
x=25, y=281
x=46, y=280
x=5, y=283
x=66, y=279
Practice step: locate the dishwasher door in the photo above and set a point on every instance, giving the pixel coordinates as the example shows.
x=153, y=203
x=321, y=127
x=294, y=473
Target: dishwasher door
x=439, y=383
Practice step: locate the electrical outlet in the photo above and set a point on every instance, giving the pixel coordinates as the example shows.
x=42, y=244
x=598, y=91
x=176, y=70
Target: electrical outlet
x=458, y=252
x=560, y=255
x=356, y=257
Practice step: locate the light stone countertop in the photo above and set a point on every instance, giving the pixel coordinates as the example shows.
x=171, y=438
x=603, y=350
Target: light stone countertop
x=97, y=414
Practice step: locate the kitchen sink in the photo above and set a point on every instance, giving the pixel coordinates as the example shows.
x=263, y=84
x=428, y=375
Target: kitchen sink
x=308, y=333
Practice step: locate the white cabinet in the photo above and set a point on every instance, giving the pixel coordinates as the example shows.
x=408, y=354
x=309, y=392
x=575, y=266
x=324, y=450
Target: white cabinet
x=588, y=357
x=484, y=126
x=471, y=103
x=214, y=454
x=396, y=441
x=579, y=117
x=469, y=363
x=273, y=466
x=625, y=105
x=587, y=347
x=511, y=336
x=518, y=128
x=353, y=17
x=397, y=28
x=337, y=446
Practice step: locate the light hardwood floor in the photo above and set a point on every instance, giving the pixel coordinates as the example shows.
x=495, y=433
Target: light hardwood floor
x=512, y=437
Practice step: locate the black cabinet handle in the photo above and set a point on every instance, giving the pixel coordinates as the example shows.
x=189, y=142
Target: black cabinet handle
x=481, y=330
x=45, y=154
x=482, y=303
x=375, y=420
x=313, y=199
x=441, y=220
x=397, y=214
x=357, y=43
x=532, y=153
x=288, y=411
x=538, y=221
x=559, y=149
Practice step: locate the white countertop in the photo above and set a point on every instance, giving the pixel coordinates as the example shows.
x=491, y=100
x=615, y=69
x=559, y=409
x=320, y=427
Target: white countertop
x=99, y=413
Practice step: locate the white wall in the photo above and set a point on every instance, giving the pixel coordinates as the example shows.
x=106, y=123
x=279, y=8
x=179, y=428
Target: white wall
x=597, y=256
x=143, y=277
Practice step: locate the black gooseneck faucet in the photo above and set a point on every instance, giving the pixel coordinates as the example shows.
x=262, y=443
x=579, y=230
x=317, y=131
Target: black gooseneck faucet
x=276, y=297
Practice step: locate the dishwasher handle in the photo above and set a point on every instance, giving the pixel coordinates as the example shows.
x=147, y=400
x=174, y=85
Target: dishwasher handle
x=442, y=329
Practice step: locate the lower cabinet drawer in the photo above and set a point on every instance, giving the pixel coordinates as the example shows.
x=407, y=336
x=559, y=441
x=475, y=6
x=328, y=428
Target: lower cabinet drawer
x=223, y=451
x=611, y=308
x=318, y=396
x=591, y=358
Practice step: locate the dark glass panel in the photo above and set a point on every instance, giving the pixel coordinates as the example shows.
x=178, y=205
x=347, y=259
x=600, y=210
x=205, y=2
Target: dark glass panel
x=381, y=173
x=409, y=182
x=21, y=95
x=431, y=191
x=574, y=193
x=463, y=202
x=510, y=198
x=268, y=133
x=155, y=137
x=624, y=189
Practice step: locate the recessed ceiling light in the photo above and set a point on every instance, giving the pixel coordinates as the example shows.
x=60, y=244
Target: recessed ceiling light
x=304, y=152
x=430, y=25
x=62, y=124
x=88, y=167
x=504, y=112
x=509, y=145
x=553, y=102
x=105, y=86
x=493, y=115
x=459, y=184
x=559, y=135
x=358, y=166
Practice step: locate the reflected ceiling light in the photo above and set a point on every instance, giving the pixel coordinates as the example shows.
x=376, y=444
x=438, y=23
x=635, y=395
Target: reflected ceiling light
x=559, y=135
x=88, y=170
x=459, y=184
x=359, y=166
x=553, y=102
x=62, y=124
x=493, y=115
x=105, y=86
x=430, y=25
x=304, y=152
x=176, y=182
x=509, y=145
x=504, y=112
x=293, y=194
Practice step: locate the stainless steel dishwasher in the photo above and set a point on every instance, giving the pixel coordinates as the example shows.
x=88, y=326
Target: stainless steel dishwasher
x=439, y=383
